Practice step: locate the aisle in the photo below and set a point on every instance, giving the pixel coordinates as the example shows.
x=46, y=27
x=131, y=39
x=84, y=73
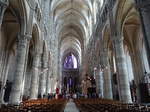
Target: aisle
x=71, y=107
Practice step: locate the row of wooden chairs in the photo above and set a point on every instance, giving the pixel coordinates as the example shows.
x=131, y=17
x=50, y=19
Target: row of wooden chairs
x=42, y=101
x=9, y=108
x=43, y=105
x=39, y=105
x=105, y=105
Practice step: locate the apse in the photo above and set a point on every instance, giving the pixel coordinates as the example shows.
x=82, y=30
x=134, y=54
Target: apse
x=70, y=53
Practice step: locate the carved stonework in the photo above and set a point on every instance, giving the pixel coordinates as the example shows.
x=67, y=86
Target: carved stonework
x=38, y=14
x=118, y=41
x=22, y=39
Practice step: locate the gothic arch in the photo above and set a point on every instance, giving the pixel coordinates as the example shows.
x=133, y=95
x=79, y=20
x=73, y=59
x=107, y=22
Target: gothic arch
x=13, y=29
x=16, y=16
x=107, y=41
x=71, y=29
x=57, y=3
x=74, y=25
x=127, y=16
x=36, y=38
x=34, y=45
x=131, y=21
x=74, y=52
x=123, y=7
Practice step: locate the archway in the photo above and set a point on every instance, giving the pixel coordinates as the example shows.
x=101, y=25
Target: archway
x=130, y=28
x=12, y=29
x=70, y=72
x=33, y=55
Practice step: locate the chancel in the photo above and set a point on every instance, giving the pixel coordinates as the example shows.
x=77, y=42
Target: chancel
x=74, y=55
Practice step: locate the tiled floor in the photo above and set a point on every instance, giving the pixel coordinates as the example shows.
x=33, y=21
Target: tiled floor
x=71, y=107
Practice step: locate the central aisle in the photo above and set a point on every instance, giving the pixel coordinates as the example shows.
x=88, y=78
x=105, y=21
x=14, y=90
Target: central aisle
x=71, y=107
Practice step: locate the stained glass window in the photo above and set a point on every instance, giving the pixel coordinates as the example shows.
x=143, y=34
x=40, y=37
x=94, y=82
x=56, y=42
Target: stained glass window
x=70, y=62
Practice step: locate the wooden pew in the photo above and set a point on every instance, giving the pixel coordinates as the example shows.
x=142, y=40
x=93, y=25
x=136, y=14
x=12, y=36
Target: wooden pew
x=102, y=105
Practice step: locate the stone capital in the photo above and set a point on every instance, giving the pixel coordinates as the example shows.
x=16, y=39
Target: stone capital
x=23, y=38
x=3, y=5
x=27, y=36
x=118, y=41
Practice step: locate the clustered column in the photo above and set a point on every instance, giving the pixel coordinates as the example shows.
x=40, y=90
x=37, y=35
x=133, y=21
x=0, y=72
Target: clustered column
x=43, y=75
x=99, y=82
x=124, y=88
x=3, y=6
x=107, y=76
x=48, y=82
x=35, y=76
x=22, y=46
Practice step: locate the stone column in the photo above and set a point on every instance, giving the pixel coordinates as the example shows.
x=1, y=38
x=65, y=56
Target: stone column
x=99, y=82
x=27, y=83
x=42, y=88
x=122, y=74
x=3, y=5
x=48, y=84
x=48, y=77
x=4, y=76
x=22, y=45
x=107, y=76
x=42, y=85
x=144, y=11
x=35, y=76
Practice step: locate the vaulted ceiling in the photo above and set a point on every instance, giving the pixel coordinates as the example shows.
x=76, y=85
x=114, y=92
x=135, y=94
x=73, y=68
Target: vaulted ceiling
x=74, y=20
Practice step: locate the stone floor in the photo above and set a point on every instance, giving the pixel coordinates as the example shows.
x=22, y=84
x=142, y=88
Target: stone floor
x=71, y=107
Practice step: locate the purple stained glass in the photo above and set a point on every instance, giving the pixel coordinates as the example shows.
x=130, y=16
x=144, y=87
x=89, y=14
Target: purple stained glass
x=70, y=81
x=70, y=62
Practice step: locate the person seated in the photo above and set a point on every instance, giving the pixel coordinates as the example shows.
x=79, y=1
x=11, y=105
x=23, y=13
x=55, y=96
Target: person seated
x=49, y=96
